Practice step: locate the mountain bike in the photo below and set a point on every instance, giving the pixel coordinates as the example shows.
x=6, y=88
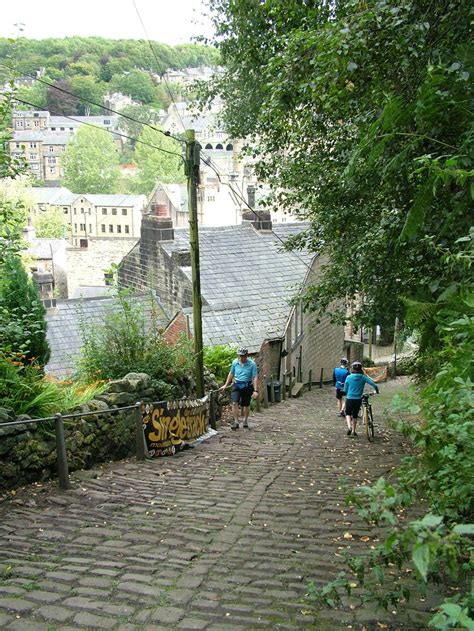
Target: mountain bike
x=367, y=416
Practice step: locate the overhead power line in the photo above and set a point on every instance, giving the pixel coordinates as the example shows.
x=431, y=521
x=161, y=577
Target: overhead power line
x=116, y=133
x=89, y=102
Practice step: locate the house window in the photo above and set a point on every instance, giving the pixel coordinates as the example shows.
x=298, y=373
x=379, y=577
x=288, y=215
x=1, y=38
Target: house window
x=229, y=147
x=119, y=229
x=90, y=227
x=106, y=122
x=61, y=128
x=82, y=227
x=50, y=149
x=83, y=243
x=82, y=209
x=52, y=170
x=114, y=211
x=127, y=229
x=75, y=227
x=53, y=128
x=33, y=156
x=208, y=146
x=219, y=146
x=104, y=211
x=32, y=145
x=75, y=211
x=65, y=210
x=111, y=228
x=51, y=160
x=124, y=211
x=211, y=198
x=103, y=228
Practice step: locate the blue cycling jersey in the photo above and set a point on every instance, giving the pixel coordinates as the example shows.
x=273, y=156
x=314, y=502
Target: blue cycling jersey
x=355, y=384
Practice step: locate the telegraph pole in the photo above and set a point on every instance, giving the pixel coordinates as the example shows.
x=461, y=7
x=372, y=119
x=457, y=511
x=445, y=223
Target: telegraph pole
x=192, y=173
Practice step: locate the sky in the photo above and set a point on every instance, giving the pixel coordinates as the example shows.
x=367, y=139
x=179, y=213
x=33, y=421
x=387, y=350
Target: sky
x=167, y=21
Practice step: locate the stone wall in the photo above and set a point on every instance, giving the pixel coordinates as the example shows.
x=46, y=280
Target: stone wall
x=86, y=266
x=28, y=452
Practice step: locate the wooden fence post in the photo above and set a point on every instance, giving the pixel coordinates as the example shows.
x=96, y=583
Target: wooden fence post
x=63, y=469
x=283, y=387
x=291, y=386
x=139, y=436
x=212, y=409
x=265, y=392
x=310, y=379
x=321, y=378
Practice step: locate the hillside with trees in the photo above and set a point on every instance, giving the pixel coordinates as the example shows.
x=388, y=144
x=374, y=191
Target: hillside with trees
x=92, y=66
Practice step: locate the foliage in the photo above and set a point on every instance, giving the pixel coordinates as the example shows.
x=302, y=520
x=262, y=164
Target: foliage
x=51, y=224
x=12, y=205
x=141, y=115
x=218, y=360
x=58, y=101
x=91, y=162
x=153, y=164
x=136, y=84
x=359, y=117
x=87, y=87
x=25, y=389
x=131, y=340
x=22, y=314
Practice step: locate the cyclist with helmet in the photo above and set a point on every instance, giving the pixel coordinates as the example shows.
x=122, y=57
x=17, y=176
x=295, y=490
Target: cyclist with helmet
x=244, y=378
x=339, y=376
x=354, y=388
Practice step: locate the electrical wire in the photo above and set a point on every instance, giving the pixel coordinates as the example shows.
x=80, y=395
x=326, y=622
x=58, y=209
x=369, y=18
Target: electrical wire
x=116, y=133
x=157, y=61
x=208, y=161
x=84, y=100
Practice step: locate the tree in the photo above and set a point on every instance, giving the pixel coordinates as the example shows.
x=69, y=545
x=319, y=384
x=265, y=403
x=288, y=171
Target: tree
x=51, y=224
x=136, y=84
x=153, y=164
x=141, y=114
x=91, y=162
x=61, y=103
x=22, y=314
x=87, y=87
x=359, y=117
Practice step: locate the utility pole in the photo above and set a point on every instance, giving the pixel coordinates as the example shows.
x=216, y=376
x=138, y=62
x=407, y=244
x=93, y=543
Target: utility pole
x=192, y=173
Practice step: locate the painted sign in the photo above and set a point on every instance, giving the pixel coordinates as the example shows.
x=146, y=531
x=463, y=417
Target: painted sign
x=170, y=426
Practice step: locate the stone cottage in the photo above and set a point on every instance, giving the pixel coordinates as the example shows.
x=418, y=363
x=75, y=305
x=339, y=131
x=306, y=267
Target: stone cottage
x=248, y=286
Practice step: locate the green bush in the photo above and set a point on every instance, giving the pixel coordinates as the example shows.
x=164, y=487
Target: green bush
x=218, y=360
x=25, y=389
x=130, y=341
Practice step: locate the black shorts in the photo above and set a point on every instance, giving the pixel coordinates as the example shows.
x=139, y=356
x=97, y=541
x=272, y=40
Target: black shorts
x=241, y=396
x=353, y=407
x=339, y=393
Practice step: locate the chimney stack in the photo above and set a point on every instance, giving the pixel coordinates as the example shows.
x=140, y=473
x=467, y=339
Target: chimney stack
x=259, y=219
x=45, y=283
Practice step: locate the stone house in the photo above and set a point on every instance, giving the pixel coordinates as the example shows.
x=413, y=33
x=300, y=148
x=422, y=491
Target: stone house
x=93, y=216
x=248, y=283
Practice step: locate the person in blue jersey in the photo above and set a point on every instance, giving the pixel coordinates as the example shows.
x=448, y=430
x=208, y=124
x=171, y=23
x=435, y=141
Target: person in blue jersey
x=339, y=376
x=243, y=375
x=354, y=388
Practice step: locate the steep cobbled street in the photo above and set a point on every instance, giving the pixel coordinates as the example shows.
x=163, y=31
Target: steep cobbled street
x=223, y=536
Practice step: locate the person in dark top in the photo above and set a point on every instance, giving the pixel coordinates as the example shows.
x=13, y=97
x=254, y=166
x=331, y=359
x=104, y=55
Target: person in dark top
x=339, y=376
x=354, y=388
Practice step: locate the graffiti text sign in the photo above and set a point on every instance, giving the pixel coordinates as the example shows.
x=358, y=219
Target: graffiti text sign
x=169, y=425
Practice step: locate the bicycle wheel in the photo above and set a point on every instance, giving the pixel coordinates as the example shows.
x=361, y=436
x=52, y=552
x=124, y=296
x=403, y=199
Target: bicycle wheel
x=370, y=429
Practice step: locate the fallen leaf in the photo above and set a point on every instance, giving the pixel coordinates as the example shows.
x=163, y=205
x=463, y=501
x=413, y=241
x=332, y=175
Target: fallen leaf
x=347, y=535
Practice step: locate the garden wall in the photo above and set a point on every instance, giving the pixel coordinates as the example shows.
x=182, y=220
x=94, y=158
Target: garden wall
x=28, y=452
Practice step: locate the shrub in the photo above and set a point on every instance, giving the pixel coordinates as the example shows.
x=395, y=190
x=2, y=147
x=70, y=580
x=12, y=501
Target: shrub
x=22, y=314
x=130, y=341
x=25, y=389
x=218, y=360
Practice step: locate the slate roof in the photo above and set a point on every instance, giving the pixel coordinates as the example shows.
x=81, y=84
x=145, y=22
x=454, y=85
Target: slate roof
x=247, y=281
x=115, y=200
x=48, y=194
x=64, y=332
x=46, y=248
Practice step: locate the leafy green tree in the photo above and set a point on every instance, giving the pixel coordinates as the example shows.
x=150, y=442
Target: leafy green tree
x=154, y=164
x=51, y=224
x=360, y=119
x=35, y=94
x=22, y=314
x=91, y=162
x=87, y=87
x=136, y=84
x=140, y=114
x=60, y=99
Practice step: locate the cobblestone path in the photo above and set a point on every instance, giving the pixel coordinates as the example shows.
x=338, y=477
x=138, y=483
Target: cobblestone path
x=224, y=536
